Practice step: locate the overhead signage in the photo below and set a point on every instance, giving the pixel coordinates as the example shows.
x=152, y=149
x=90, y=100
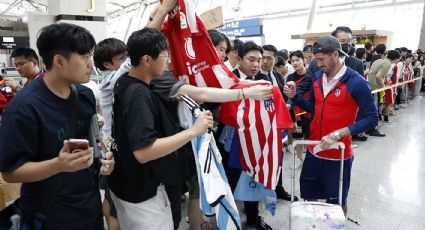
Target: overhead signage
x=243, y=28
x=8, y=42
x=92, y=7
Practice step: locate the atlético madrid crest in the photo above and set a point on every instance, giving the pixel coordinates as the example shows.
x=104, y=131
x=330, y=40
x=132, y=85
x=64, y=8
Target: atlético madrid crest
x=338, y=91
x=269, y=105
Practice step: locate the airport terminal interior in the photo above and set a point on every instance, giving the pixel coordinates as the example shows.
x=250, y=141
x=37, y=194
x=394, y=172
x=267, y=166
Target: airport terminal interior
x=212, y=114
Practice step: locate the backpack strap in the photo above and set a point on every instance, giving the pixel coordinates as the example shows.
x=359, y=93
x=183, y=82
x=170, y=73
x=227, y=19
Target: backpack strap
x=73, y=111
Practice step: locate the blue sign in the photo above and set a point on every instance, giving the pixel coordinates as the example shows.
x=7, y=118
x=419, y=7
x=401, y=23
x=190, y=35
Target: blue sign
x=243, y=32
x=242, y=28
x=255, y=22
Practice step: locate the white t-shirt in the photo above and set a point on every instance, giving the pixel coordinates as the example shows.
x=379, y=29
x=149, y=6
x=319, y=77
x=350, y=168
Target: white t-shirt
x=421, y=70
x=400, y=66
x=291, y=70
x=95, y=89
x=391, y=73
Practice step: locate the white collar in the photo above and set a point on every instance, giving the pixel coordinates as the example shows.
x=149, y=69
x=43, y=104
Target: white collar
x=242, y=75
x=337, y=76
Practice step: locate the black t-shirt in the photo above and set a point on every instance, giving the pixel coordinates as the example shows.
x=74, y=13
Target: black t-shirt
x=162, y=87
x=295, y=77
x=299, y=80
x=141, y=114
x=368, y=57
x=33, y=129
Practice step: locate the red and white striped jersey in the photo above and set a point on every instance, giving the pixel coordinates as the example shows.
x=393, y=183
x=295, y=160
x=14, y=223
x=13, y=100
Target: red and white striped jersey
x=194, y=57
x=259, y=125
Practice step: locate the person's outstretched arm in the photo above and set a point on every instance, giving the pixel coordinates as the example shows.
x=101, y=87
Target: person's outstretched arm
x=158, y=15
x=209, y=94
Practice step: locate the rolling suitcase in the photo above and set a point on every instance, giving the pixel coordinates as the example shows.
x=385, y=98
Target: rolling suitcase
x=316, y=215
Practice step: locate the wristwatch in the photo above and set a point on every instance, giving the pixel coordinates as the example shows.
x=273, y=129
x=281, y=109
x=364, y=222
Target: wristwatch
x=337, y=134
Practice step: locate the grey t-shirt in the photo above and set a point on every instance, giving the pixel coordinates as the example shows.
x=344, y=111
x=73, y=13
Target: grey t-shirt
x=106, y=88
x=381, y=65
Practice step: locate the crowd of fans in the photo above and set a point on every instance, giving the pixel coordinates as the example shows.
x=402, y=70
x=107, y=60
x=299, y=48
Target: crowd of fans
x=148, y=165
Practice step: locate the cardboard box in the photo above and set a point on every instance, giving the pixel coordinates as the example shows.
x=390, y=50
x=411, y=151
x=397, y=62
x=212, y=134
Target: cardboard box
x=213, y=18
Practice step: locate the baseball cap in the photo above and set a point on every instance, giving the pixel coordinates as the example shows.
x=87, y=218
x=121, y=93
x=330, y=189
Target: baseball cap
x=327, y=43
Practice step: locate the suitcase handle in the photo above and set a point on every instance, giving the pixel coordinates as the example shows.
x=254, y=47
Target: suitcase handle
x=315, y=203
x=336, y=145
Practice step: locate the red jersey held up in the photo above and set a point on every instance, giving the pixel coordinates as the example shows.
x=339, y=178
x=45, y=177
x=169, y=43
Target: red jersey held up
x=194, y=57
x=259, y=125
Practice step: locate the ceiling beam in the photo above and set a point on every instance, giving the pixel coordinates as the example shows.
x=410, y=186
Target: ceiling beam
x=11, y=6
x=325, y=9
x=129, y=8
x=116, y=4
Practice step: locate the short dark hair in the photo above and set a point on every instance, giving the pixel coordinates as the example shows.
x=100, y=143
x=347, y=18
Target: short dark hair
x=340, y=29
x=271, y=48
x=147, y=41
x=63, y=39
x=283, y=54
x=308, y=47
x=360, y=52
x=280, y=61
x=26, y=52
x=296, y=53
x=368, y=45
x=380, y=49
x=404, y=49
x=228, y=43
x=393, y=55
x=408, y=56
x=237, y=44
x=247, y=47
x=217, y=37
x=106, y=50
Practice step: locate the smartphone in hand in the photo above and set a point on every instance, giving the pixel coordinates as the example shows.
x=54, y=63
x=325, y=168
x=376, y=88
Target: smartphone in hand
x=77, y=145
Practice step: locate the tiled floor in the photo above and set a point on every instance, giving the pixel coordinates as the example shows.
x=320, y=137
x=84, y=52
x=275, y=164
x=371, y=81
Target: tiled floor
x=388, y=177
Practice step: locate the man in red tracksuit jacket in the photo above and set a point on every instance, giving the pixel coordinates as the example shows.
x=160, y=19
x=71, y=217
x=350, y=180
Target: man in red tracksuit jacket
x=337, y=94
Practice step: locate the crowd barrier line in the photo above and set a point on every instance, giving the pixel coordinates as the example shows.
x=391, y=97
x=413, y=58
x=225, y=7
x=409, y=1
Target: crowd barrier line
x=381, y=89
x=395, y=85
